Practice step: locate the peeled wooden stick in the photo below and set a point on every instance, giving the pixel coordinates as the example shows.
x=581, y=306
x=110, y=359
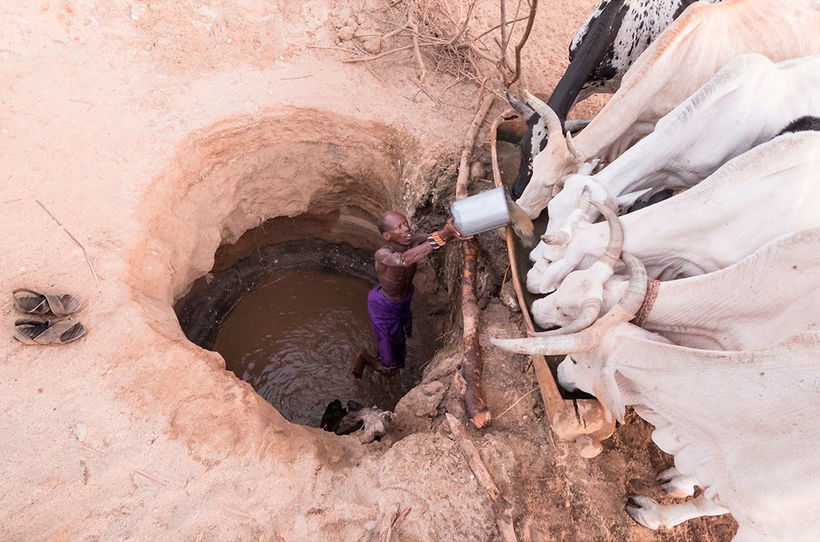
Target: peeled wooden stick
x=471, y=366
x=501, y=507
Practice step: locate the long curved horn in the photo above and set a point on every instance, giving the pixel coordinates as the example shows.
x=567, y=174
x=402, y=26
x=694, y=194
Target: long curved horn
x=576, y=125
x=546, y=112
x=616, y=235
x=523, y=109
x=582, y=341
x=549, y=346
x=587, y=339
x=574, y=150
x=636, y=291
x=590, y=309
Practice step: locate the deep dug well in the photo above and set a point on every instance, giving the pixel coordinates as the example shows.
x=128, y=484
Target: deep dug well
x=137, y=139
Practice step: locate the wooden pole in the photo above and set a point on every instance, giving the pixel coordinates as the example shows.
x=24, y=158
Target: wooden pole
x=471, y=366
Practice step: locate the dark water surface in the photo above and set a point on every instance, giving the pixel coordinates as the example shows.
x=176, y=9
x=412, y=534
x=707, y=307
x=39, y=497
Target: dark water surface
x=294, y=338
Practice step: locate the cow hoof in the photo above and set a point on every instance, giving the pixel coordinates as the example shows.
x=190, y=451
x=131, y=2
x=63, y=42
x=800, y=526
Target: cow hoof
x=643, y=510
x=675, y=484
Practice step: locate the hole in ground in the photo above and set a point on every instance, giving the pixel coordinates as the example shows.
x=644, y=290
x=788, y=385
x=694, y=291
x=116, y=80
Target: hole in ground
x=247, y=184
x=289, y=319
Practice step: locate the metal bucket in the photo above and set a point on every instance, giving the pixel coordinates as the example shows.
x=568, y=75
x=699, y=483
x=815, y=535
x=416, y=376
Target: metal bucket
x=481, y=212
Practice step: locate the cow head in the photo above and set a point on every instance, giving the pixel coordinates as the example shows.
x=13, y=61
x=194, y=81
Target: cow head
x=577, y=302
x=550, y=166
x=557, y=255
x=531, y=143
x=590, y=346
x=567, y=207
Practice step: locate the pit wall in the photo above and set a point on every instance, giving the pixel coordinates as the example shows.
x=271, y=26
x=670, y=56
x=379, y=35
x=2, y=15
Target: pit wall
x=333, y=175
x=242, y=171
x=328, y=176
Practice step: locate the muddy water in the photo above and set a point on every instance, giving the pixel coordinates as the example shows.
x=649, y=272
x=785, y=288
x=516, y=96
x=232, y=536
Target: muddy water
x=293, y=339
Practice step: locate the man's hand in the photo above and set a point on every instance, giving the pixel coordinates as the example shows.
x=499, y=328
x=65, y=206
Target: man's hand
x=449, y=232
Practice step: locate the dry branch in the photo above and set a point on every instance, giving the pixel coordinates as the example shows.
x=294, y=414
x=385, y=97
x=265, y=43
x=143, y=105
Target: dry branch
x=501, y=507
x=444, y=41
x=419, y=60
x=521, y=43
x=472, y=365
x=374, y=57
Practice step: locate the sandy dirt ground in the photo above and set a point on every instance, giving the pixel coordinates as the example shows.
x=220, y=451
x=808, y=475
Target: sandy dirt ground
x=138, y=137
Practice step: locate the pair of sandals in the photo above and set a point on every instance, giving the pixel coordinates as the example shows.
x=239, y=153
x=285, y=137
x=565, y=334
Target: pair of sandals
x=49, y=323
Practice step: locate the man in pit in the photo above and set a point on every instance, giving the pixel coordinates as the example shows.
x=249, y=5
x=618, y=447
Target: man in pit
x=389, y=303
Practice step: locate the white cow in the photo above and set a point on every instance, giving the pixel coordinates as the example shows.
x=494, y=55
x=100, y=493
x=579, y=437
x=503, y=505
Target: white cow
x=742, y=423
x=762, y=194
x=685, y=56
x=606, y=45
x=770, y=295
x=747, y=102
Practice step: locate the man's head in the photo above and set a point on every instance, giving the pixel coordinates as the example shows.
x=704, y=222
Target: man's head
x=394, y=228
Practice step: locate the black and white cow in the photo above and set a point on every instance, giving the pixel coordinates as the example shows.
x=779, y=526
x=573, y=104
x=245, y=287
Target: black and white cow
x=613, y=37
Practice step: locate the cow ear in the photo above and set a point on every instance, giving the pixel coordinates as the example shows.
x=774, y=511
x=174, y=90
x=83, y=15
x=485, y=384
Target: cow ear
x=521, y=108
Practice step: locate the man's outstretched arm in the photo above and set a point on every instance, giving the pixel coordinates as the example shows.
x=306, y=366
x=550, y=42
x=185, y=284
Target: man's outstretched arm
x=423, y=244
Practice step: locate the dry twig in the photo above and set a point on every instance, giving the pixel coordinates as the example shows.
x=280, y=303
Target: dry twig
x=422, y=69
x=521, y=43
x=515, y=403
x=73, y=239
x=393, y=526
x=501, y=507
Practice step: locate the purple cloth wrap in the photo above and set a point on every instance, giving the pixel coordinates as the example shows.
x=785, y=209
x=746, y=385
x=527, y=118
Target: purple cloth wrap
x=392, y=322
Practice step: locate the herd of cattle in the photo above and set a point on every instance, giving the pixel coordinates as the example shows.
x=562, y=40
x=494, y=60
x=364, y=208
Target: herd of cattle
x=695, y=299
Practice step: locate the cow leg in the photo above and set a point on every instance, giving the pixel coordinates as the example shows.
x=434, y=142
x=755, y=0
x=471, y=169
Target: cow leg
x=675, y=484
x=653, y=515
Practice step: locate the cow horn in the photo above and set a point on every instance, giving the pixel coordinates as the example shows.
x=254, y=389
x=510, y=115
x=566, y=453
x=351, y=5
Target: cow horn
x=590, y=309
x=523, y=109
x=636, y=291
x=582, y=341
x=616, y=235
x=576, y=125
x=574, y=150
x=550, y=346
x=546, y=112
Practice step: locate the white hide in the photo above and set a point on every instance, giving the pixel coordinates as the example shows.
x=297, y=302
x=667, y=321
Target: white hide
x=749, y=101
x=703, y=39
x=766, y=192
x=772, y=294
x=642, y=22
x=743, y=423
